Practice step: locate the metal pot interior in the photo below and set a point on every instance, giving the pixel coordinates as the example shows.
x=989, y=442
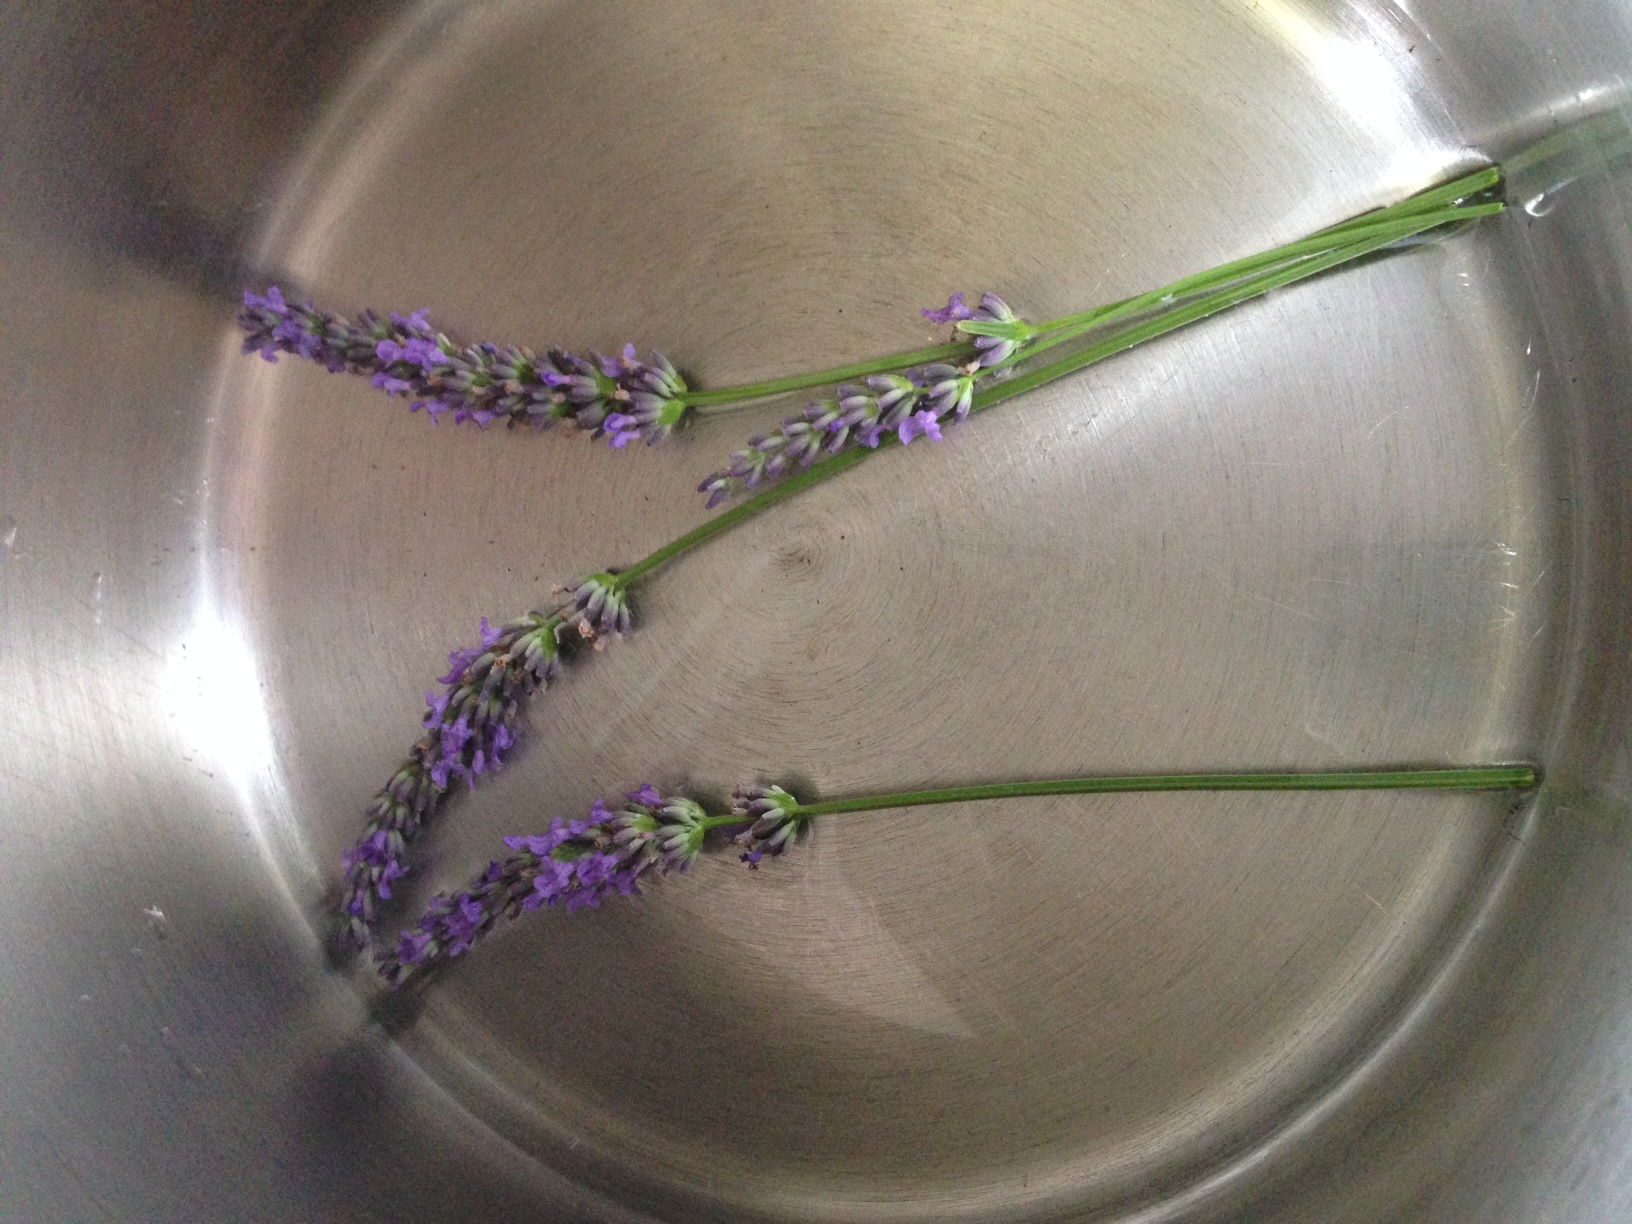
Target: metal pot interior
x=1379, y=518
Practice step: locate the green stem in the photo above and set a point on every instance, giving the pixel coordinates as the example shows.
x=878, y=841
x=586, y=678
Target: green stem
x=1504, y=777
x=814, y=474
x=824, y=378
x=1452, y=193
x=1427, y=201
x=1244, y=270
x=1257, y=286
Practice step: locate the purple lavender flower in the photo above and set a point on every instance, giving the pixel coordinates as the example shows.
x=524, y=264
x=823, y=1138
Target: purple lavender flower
x=859, y=414
x=873, y=411
x=954, y=311
x=924, y=424
x=468, y=726
x=999, y=333
x=480, y=383
x=598, y=608
x=776, y=821
x=583, y=390
x=907, y=407
x=889, y=404
x=656, y=395
x=575, y=865
x=948, y=389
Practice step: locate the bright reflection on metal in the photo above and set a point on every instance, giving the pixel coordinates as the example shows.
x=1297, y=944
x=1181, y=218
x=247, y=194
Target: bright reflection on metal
x=216, y=702
x=212, y=681
x=1365, y=84
x=213, y=692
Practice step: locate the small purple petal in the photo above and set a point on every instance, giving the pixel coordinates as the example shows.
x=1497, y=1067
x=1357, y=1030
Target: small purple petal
x=418, y=321
x=647, y=796
x=393, y=871
x=954, y=309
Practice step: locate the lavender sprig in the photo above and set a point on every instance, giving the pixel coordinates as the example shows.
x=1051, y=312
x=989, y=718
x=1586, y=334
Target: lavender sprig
x=620, y=398
x=579, y=863
x=623, y=398
x=468, y=726
x=575, y=865
x=933, y=393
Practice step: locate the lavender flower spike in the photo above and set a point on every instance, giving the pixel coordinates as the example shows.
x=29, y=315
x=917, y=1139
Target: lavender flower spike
x=481, y=383
x=575, y=865
x=910, y=406
x=467, y=728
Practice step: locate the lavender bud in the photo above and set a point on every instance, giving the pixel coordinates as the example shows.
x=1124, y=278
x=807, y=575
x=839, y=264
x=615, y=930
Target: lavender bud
x=999, y=333
x=776, y=821
x=680, y=835
x=598, y=608
x=947, y=389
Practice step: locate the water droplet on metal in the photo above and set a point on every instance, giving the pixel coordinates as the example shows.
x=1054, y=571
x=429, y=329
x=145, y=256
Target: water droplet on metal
x=156, y=920
x=1540, y=205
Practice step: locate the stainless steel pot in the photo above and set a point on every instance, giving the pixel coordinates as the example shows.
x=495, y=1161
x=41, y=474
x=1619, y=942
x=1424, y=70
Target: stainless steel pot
x=1379, y=518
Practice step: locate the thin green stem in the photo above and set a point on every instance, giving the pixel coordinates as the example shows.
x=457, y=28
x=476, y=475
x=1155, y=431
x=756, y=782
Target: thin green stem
x=1224, y=299
x=1451, y=194
x=764, y=500
x=1502, y=777
x=1394, y=228
x=1322, y=240
x=824, y=378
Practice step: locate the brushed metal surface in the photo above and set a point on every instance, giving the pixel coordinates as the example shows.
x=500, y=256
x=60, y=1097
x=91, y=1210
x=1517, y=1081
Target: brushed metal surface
x=1379, y=518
